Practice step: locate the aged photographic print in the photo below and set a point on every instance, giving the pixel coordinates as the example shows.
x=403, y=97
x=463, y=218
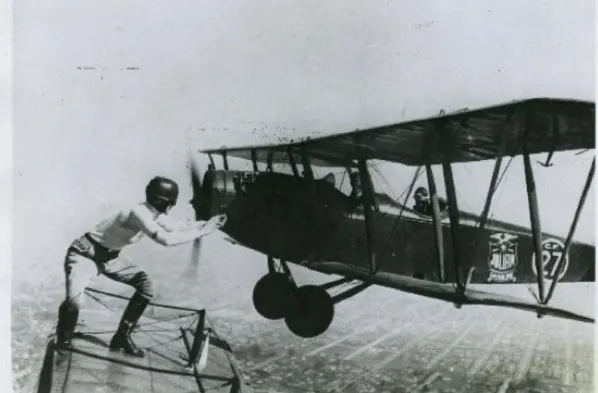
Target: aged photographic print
x=276, y=196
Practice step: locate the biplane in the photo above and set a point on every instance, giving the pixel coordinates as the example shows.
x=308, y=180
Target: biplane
x=184, y=353
x=431, y=248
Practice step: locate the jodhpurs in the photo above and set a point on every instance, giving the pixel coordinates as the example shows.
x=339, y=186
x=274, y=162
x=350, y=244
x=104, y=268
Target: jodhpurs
x=86, y=259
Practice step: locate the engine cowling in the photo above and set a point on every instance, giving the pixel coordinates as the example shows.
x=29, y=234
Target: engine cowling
x=219, y=188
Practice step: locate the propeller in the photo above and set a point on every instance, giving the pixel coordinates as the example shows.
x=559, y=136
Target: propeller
x=195, y=174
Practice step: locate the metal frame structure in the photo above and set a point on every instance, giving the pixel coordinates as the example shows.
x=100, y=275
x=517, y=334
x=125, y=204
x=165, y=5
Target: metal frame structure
x=200, y=342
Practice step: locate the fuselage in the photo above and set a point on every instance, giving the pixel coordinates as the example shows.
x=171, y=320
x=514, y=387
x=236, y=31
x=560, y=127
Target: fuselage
x=305, y=221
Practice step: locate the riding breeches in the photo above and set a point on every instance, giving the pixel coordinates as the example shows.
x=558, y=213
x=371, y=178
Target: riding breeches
x=86, y=259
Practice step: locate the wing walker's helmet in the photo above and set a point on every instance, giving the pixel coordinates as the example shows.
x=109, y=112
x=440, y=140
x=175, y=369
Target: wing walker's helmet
x=161, y=193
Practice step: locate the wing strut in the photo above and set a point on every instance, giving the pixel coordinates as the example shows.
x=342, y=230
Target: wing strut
x=269, y=161
x=437, y=221
x=554, y=142
x=254, y=160
x=225, y=161
x=532, y=200
x=308, y=172
x=492, y=187
x=435, y=208
x=292, y=162
x=580, y=205
x=367, y=211
x=446, y=143
x=497, y=166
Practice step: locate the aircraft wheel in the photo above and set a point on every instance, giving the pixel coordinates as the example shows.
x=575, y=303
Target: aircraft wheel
x=271, y=295
x=311, y=311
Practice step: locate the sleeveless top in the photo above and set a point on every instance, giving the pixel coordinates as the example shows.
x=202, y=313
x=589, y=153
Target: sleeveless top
x=120, y=230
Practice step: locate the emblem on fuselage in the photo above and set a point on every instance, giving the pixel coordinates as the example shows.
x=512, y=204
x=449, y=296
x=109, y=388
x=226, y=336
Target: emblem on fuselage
x=553, y=251
x=502, y=259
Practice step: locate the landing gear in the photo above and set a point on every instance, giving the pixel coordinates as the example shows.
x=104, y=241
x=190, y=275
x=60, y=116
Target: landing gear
x=311, y=311
x=308, y=310
x=272, y=295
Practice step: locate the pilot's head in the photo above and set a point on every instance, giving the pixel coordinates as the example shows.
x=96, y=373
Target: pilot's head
x=354, y=179
x=421, y=195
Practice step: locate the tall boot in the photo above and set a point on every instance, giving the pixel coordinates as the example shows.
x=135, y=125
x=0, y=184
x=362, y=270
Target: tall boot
x=122, y=339
x=67, y=321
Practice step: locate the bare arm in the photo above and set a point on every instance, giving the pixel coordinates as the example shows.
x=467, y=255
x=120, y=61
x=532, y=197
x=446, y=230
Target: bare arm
x=170, y=225
x=143, y=218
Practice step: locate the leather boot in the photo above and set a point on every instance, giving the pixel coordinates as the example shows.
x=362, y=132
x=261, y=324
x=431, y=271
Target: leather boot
x=122, y=339
x=65, y=327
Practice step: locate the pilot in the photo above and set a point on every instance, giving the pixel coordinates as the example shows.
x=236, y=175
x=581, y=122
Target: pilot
x=97, y=252
x=355, y=181
x=356, y=195
x=423, y=205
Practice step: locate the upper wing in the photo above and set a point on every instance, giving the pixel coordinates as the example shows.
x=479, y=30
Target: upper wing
x=548, y=125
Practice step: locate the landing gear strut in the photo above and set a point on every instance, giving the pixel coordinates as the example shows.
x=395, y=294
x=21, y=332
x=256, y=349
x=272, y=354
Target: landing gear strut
x=272, y=293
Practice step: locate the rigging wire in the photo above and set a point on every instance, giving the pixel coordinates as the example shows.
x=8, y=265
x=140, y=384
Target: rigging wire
x=415, y=177
x=379, y=173
x=148, y=332
x=340, y=187
x=396, y=199
x=496, y=187
x=412, y=238
x=404, y=203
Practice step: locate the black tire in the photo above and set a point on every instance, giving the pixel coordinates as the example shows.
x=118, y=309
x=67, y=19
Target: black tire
x=272, y=294
x=311, y=311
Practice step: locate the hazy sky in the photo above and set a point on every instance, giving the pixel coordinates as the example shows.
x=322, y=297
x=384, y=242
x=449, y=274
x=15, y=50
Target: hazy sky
x=90, y=130
x=109, y=93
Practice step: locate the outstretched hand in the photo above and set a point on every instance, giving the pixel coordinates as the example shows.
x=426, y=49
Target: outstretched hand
x=221, y=220
x=214, y=223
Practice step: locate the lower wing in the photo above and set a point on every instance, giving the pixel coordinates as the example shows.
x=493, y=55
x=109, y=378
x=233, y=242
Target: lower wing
x=445, y=292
